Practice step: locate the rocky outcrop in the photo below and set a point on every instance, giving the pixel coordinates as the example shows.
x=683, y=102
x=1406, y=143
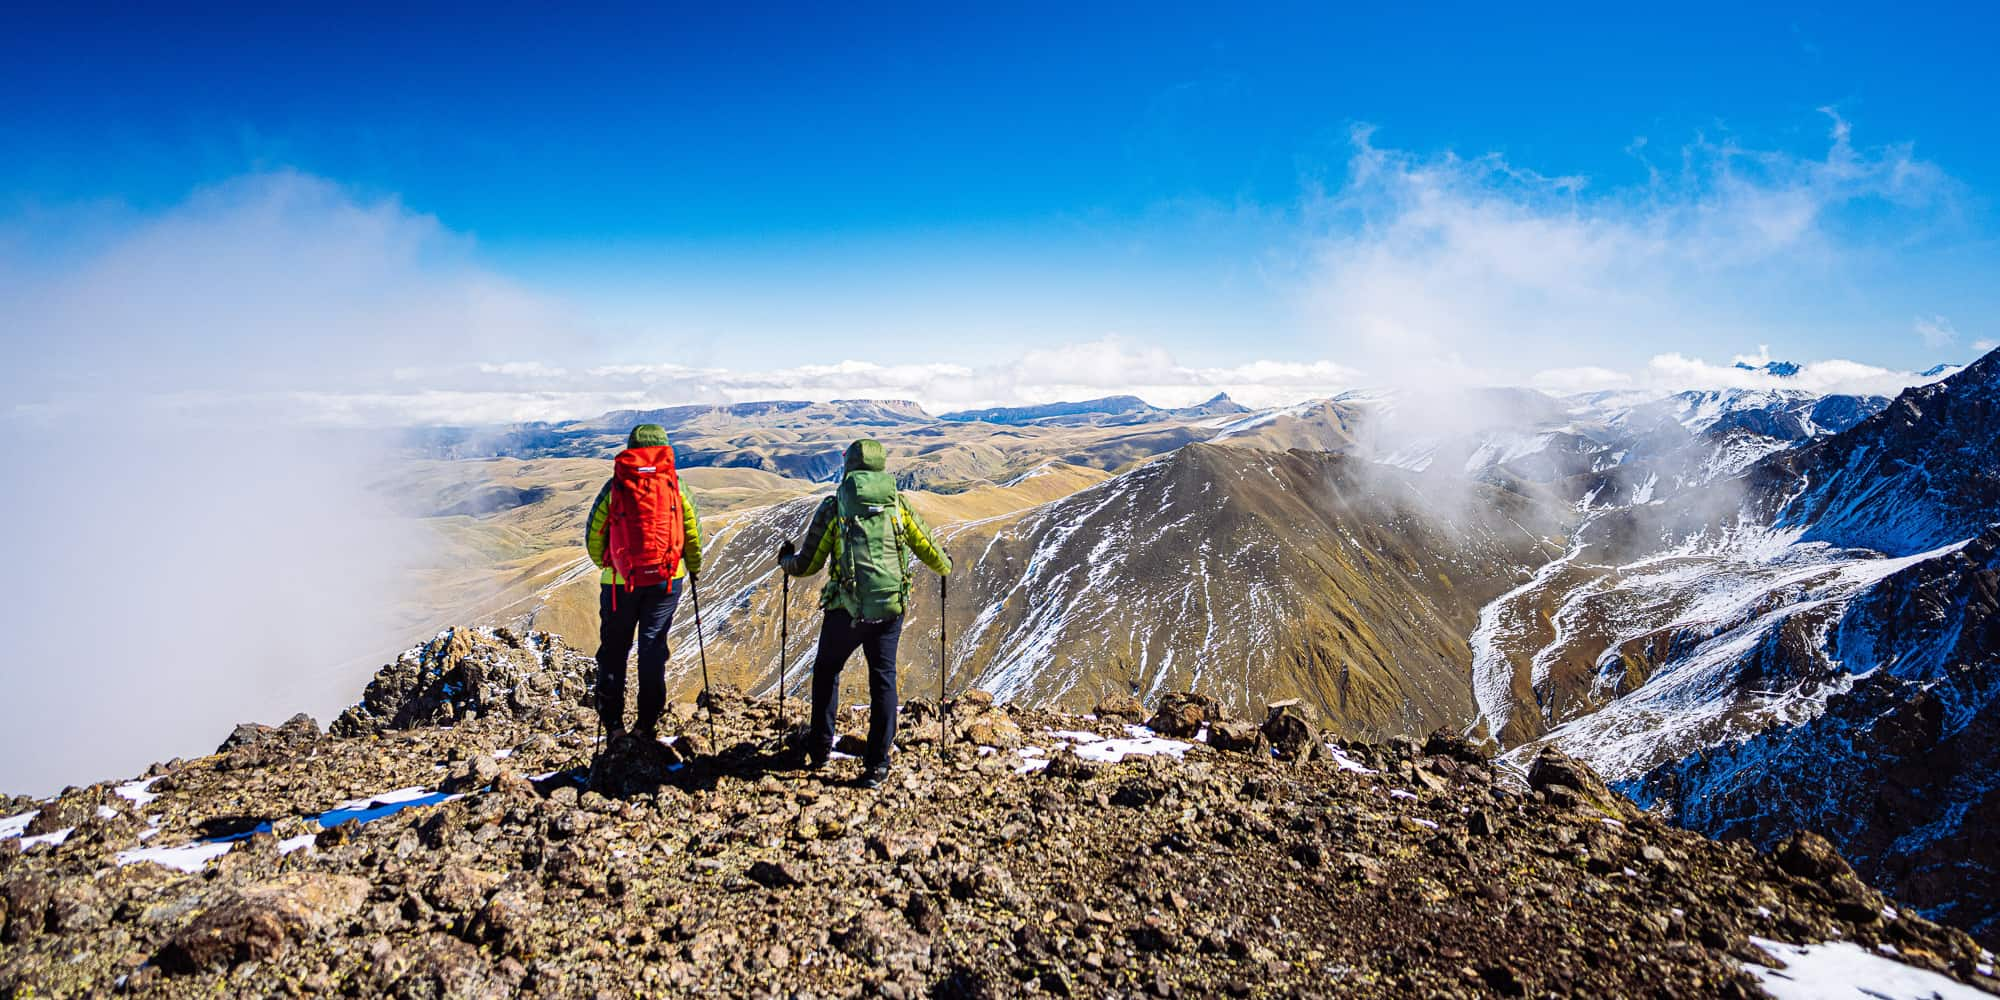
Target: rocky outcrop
x=467, y=673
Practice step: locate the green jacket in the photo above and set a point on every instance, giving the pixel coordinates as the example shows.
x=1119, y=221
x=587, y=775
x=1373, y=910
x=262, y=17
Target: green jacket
x=596, y=535
x=822, y=541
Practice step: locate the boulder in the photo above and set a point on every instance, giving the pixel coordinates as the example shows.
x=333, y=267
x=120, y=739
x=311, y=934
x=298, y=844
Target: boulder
x=505, y=922
x=261, y=921
x=1570, y=783
x=1808, y=855
x=67, y=812
x=1064, y=763
x=459, y=889
x=994, y=729
x=25, y=902
x=1182, y=714
x=1446, y=743
x=776, y=875
x=1238, y=736
x=1292, y=727
x=1119, y=708
x=473, y=775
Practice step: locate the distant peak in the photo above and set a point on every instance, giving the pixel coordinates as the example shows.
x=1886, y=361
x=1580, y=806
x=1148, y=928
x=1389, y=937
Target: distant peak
x=1782, y=369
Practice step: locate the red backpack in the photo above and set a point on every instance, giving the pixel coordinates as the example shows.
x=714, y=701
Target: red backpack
x=644, y=526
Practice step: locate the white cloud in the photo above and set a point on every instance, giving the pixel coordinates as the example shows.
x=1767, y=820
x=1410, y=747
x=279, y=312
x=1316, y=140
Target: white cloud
x=272, y=280
x=520, y=391
x=1936, y=331
x=177, y=342
x=1445, y=268
x=1985, y=346
x=1675, y=372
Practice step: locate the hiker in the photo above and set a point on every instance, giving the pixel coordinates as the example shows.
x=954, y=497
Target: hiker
x=643, y=533
x=866, y=532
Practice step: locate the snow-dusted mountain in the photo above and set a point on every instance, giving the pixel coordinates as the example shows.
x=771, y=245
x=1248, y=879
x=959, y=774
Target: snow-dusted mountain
x=1606, y=449
x=1810, y=643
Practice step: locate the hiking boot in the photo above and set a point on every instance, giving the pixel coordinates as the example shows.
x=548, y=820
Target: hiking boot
x=817, y=761
x=875, y=776
x=613, y=735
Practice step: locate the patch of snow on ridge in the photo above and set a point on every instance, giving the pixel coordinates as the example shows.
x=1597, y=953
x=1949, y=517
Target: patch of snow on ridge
x=1644, y=494
x=1234, y=425
x=140, y=791
x=55, y=839
x=1346, y=763
x=14, y=826
x=187, y=857
x=1839, y=969
x=1140, y=742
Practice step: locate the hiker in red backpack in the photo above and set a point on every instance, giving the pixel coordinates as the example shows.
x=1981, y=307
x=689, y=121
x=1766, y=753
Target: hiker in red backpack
x=643, y=533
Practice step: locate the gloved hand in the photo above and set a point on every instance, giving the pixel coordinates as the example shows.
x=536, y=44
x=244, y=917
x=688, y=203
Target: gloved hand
x=786, y=552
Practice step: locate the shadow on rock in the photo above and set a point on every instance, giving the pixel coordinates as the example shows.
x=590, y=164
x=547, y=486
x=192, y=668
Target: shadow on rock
x=629, y=765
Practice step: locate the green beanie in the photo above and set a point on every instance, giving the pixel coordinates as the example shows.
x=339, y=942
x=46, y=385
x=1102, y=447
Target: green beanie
x=647, y=436
x=866, y=454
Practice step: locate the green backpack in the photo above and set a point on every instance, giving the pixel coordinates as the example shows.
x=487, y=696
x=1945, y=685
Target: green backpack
x=870, y=569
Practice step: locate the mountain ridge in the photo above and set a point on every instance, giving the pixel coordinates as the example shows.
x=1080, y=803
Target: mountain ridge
x=1068, y=855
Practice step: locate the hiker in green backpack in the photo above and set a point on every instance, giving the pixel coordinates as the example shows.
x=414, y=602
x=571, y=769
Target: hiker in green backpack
x=867, y=532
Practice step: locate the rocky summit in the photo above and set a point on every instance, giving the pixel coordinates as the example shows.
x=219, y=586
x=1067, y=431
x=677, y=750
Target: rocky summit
x=462, y=832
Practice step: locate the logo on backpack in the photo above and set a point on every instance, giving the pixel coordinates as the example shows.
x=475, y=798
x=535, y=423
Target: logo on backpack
x=645, y=531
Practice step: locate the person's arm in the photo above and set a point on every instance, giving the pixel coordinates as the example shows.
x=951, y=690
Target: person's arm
x=818, y=543
x=918, y=537
x=690, y=534
x=595, y=526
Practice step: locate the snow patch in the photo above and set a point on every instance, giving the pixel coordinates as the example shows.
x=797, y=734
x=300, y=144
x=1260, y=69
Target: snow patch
x=140, y=792
x=14, y=826
x=1838, y=969
x=1346, y=763
x=186, y=857
x=52, y=839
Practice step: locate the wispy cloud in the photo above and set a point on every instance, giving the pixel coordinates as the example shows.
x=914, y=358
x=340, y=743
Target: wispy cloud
x=1935, y=331
x=1457, y=268
x=268, y=281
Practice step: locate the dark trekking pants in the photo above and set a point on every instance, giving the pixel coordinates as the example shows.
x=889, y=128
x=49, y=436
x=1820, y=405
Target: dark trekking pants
x=838, y=638
x=648, y=611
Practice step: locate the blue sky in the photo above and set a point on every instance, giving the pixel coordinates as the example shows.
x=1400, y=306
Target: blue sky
x=1012, y=196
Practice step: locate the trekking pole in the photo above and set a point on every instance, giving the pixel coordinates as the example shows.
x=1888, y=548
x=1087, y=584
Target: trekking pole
x=784, y=643
x=944, y=668
x=701, y=643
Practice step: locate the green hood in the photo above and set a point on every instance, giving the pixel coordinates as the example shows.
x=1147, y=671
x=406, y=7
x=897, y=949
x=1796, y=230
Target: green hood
x=866, y=454
x=647, y=436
